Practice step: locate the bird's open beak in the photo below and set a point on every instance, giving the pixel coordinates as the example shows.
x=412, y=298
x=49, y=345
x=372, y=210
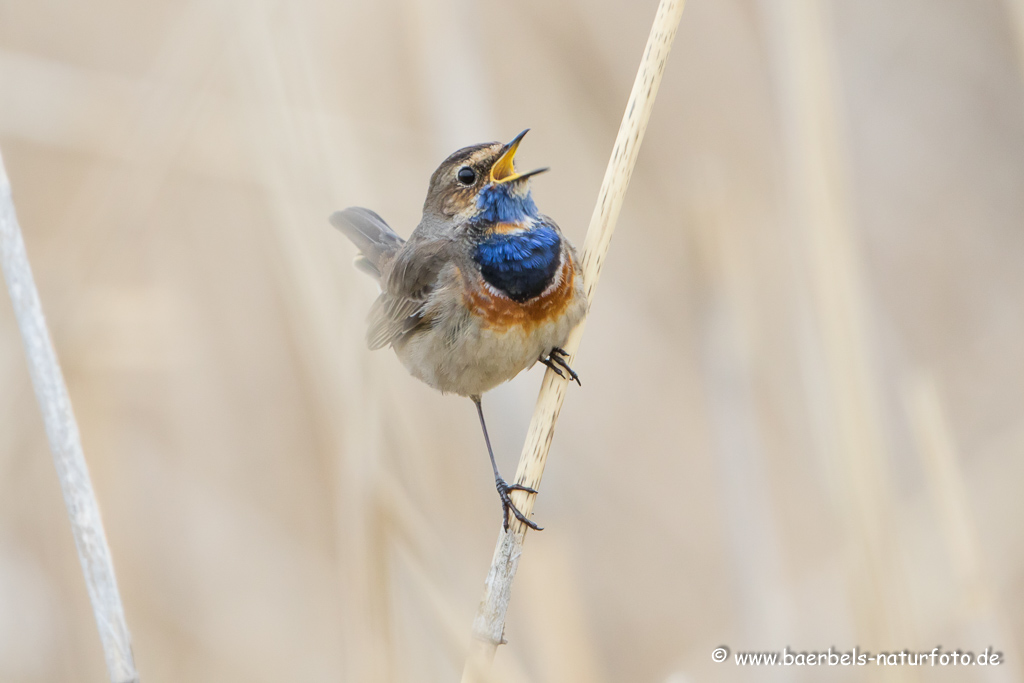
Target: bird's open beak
x=503, y=170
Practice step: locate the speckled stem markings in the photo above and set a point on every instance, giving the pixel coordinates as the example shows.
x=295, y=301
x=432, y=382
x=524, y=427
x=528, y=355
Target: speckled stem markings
x=65, y=443
x=489, y=624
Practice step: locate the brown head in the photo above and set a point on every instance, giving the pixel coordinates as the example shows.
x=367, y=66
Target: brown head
x=460, y=182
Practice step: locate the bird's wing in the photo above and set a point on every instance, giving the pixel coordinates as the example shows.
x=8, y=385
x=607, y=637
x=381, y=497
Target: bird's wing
x=376, y=241
x=391, y=317
x=408, y=281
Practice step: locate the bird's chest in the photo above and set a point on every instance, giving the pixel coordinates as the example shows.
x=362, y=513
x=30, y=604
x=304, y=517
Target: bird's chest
x=493, y=337
x=529, y=303
x=520, y=264
x=480, y=336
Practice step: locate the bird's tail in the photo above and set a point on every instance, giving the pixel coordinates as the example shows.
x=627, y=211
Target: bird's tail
x=376, y=241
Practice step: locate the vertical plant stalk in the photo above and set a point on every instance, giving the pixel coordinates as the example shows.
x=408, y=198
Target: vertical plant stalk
x=65, y=444
x=845, y=378
x=489, y=625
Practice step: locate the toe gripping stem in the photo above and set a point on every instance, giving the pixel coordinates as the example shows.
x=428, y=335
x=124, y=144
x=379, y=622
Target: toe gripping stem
x=508, y=506
x=503, y=486
x=556, y=360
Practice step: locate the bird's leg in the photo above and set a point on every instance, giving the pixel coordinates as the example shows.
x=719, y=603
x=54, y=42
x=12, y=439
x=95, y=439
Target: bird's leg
x=503, y=486
x=556, y=361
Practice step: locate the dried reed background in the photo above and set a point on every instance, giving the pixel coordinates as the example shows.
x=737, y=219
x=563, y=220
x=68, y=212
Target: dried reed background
x=802, y=420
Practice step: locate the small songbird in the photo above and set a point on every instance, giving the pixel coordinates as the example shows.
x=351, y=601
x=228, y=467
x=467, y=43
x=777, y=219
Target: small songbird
x=485, y=287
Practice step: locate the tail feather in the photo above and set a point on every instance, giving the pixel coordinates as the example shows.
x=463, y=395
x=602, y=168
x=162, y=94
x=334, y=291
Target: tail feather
x=376, y=241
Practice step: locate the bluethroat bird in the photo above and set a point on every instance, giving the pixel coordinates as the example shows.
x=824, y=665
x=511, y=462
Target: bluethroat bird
x=485, y=286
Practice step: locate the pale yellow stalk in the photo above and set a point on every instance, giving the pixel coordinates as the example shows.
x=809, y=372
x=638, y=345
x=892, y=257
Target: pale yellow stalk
x=489, y=624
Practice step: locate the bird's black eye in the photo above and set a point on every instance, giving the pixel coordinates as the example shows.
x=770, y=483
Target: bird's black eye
x=466, y=175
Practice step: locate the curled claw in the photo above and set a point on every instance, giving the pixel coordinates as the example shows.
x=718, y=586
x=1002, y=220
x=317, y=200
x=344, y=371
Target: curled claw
x=503, y=486
x=551, y=364
x=508, y=506
x=556, y=360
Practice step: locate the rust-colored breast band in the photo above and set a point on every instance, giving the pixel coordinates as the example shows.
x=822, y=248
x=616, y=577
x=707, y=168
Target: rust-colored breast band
x=500, y=313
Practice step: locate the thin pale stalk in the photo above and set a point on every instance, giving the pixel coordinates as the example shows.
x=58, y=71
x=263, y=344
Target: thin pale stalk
x=845, y=379
x=489, y=624
x=65, y=444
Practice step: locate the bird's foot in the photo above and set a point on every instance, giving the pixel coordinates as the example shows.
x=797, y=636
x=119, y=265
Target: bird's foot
x=508, y=506
x=556, y=361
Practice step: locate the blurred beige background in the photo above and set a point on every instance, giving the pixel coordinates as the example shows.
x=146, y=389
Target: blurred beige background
x=802, y=414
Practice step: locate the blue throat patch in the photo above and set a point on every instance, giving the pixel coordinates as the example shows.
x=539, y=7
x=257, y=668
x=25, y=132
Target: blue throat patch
x=498, y=204
x=520, y=264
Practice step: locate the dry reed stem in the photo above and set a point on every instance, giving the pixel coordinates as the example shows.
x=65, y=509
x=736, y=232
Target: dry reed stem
x=982, y=617
x=65, y=444
x=945, y=479
x=290, y=157
x=489, y=625
x=848, y=385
